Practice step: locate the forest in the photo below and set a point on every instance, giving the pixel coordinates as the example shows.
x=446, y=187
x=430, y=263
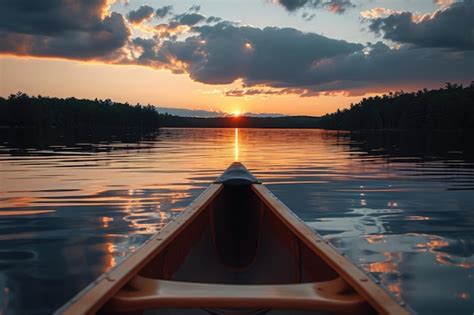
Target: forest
x=21, y=110
x=448, y=108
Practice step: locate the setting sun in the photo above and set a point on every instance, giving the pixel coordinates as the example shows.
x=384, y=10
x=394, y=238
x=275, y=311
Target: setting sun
x=237, y=113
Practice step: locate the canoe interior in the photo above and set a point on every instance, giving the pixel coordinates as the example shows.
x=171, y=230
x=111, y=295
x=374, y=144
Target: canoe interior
x=237, y=239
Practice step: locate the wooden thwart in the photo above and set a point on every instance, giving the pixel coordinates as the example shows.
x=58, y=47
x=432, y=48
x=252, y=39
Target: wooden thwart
x=145, y=293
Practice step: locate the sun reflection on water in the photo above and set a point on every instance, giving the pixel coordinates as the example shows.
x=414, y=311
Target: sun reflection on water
x=236, y=145
x=110, y=260
x=405, y=220
x=439, y=247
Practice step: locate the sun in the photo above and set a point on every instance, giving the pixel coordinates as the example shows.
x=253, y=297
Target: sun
x=237, y=113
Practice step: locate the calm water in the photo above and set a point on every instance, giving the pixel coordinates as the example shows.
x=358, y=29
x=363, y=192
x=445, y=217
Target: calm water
x=399, y=205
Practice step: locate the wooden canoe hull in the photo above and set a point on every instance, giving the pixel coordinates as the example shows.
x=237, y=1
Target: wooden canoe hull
x=235, y=246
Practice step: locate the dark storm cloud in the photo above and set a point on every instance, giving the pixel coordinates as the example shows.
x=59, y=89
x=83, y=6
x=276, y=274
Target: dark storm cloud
x=293, y=5
x=268, y=61
x=335, y=6
x=149, y=48
x=213, y=19
x=70, y=29
x=382, y=67
x=224, y=52
x=189, y=19
x=163, y=11
x=195, y=8
x=452, y=27
x=290, y=61
x=141, y=14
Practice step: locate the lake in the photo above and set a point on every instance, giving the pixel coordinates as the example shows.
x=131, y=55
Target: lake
x=400, y=205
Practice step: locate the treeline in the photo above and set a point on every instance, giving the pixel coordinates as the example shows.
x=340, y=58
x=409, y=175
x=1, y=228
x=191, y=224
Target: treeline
x=24, y=111
x=240, y=122
x=21, y=110
x=448, y=108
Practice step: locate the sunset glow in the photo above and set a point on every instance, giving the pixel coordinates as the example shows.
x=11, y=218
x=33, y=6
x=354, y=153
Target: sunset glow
x=205, y=141
x=236, y=145
x=277, y=59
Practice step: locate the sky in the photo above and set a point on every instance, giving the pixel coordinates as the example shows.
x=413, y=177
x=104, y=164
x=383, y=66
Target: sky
x=292, y=57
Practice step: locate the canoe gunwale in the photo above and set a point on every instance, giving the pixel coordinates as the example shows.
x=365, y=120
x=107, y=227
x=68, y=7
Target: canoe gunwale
x=92, y=298
x=377, y=297
x=96, y=294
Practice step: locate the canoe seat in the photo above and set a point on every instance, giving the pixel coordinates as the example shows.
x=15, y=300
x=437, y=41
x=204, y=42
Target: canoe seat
x=142, y=293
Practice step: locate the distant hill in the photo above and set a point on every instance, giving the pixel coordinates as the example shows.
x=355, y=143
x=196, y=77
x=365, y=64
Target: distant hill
x=448, y=108
x=241, y=122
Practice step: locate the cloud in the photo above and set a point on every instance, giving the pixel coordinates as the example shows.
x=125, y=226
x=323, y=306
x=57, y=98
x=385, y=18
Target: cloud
x=257, y=91
x=145, y=51
x=338, y=6
x=181, y=23
x=267, y=61
x=335, y=6
x=293, y=5
x=308, y=17
x=141, y=14
x=276, y=61
x=195, y=8
x=452, y=27
x=170, y=30
x=213, y=19
x=163, y=11
x=443, y=3
x=376, y=68
x=189, y=19
x=375, y=13
x=222, y=53
x=379, y=67
x=69, y=29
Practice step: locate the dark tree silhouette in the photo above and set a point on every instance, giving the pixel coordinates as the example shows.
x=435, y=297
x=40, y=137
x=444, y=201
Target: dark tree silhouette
x=448, y=108
x=21, y=110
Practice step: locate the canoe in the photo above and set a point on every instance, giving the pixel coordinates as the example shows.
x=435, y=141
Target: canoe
x=236, y=249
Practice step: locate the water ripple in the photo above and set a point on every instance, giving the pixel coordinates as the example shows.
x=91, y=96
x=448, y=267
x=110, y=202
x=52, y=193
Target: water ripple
x=399, y=206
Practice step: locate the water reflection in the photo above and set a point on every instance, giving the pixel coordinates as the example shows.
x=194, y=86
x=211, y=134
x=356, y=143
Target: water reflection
x=236, y=145
x=398, y=205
